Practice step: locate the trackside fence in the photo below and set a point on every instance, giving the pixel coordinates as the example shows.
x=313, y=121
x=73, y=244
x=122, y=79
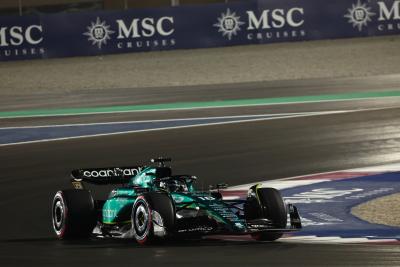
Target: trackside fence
x=185, y=27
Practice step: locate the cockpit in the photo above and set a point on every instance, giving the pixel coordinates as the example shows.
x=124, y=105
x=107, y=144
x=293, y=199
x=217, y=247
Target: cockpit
x=162, y=178
x=173, y=185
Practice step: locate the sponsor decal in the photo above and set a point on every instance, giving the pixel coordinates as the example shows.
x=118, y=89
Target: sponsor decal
x=21, y=40
x=204, y=228
x=386, y=15
x=98, y=33
x=265, y=25
x=389, y=16
x=229, y=24
x=110, y=173
x=359, y=15
x=225, y=212
x=110, y=213
x=148, y=32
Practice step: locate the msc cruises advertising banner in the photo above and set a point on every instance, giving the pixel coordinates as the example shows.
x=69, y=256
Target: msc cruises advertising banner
x=249, y=22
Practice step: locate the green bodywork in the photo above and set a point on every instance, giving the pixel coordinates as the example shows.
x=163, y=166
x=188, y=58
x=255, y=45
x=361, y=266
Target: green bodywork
x=117, y=208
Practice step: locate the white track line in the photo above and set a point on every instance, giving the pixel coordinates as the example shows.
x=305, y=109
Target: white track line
x=307, y=114
x=178, y=127
x=178, y=119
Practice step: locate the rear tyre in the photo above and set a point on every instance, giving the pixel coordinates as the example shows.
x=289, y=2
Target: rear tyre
x=271, y=206
x=153, y=217
x=73, y=214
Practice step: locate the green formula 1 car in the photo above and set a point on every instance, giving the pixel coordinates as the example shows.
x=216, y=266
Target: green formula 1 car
x=151, y=204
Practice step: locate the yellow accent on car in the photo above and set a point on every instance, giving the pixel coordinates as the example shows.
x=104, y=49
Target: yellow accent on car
x=256, y=193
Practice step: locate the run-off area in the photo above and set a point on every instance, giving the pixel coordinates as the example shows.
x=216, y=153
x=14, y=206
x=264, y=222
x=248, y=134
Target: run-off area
x=325, y=202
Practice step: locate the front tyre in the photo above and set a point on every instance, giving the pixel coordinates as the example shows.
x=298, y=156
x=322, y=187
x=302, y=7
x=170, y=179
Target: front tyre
x=153, y=217
x=73, y=214
x=142, y=224
x=271, y=206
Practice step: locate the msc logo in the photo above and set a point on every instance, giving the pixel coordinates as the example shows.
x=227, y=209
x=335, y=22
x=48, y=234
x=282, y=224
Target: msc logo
x=147, y=27
x=99, y=32
x=18, y=35
x=389, y=16
x=229, y=24
x=359, y=15
x=388, y=13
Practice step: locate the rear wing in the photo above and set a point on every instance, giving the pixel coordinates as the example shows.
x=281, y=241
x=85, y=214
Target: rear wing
x=104, y=176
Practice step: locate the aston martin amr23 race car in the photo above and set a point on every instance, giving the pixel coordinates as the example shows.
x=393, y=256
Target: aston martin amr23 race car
x=152, y=204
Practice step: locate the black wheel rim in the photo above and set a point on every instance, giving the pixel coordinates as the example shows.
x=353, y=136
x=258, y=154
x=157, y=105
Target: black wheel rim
x=141, y=220
x=58, y=215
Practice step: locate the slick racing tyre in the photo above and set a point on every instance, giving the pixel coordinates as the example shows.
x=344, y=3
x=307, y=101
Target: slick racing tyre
x=153, y=217
x=271, y=206
x=73, y=214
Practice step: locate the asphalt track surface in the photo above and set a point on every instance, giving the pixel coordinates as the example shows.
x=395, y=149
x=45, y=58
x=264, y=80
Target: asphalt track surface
x=233, y=153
